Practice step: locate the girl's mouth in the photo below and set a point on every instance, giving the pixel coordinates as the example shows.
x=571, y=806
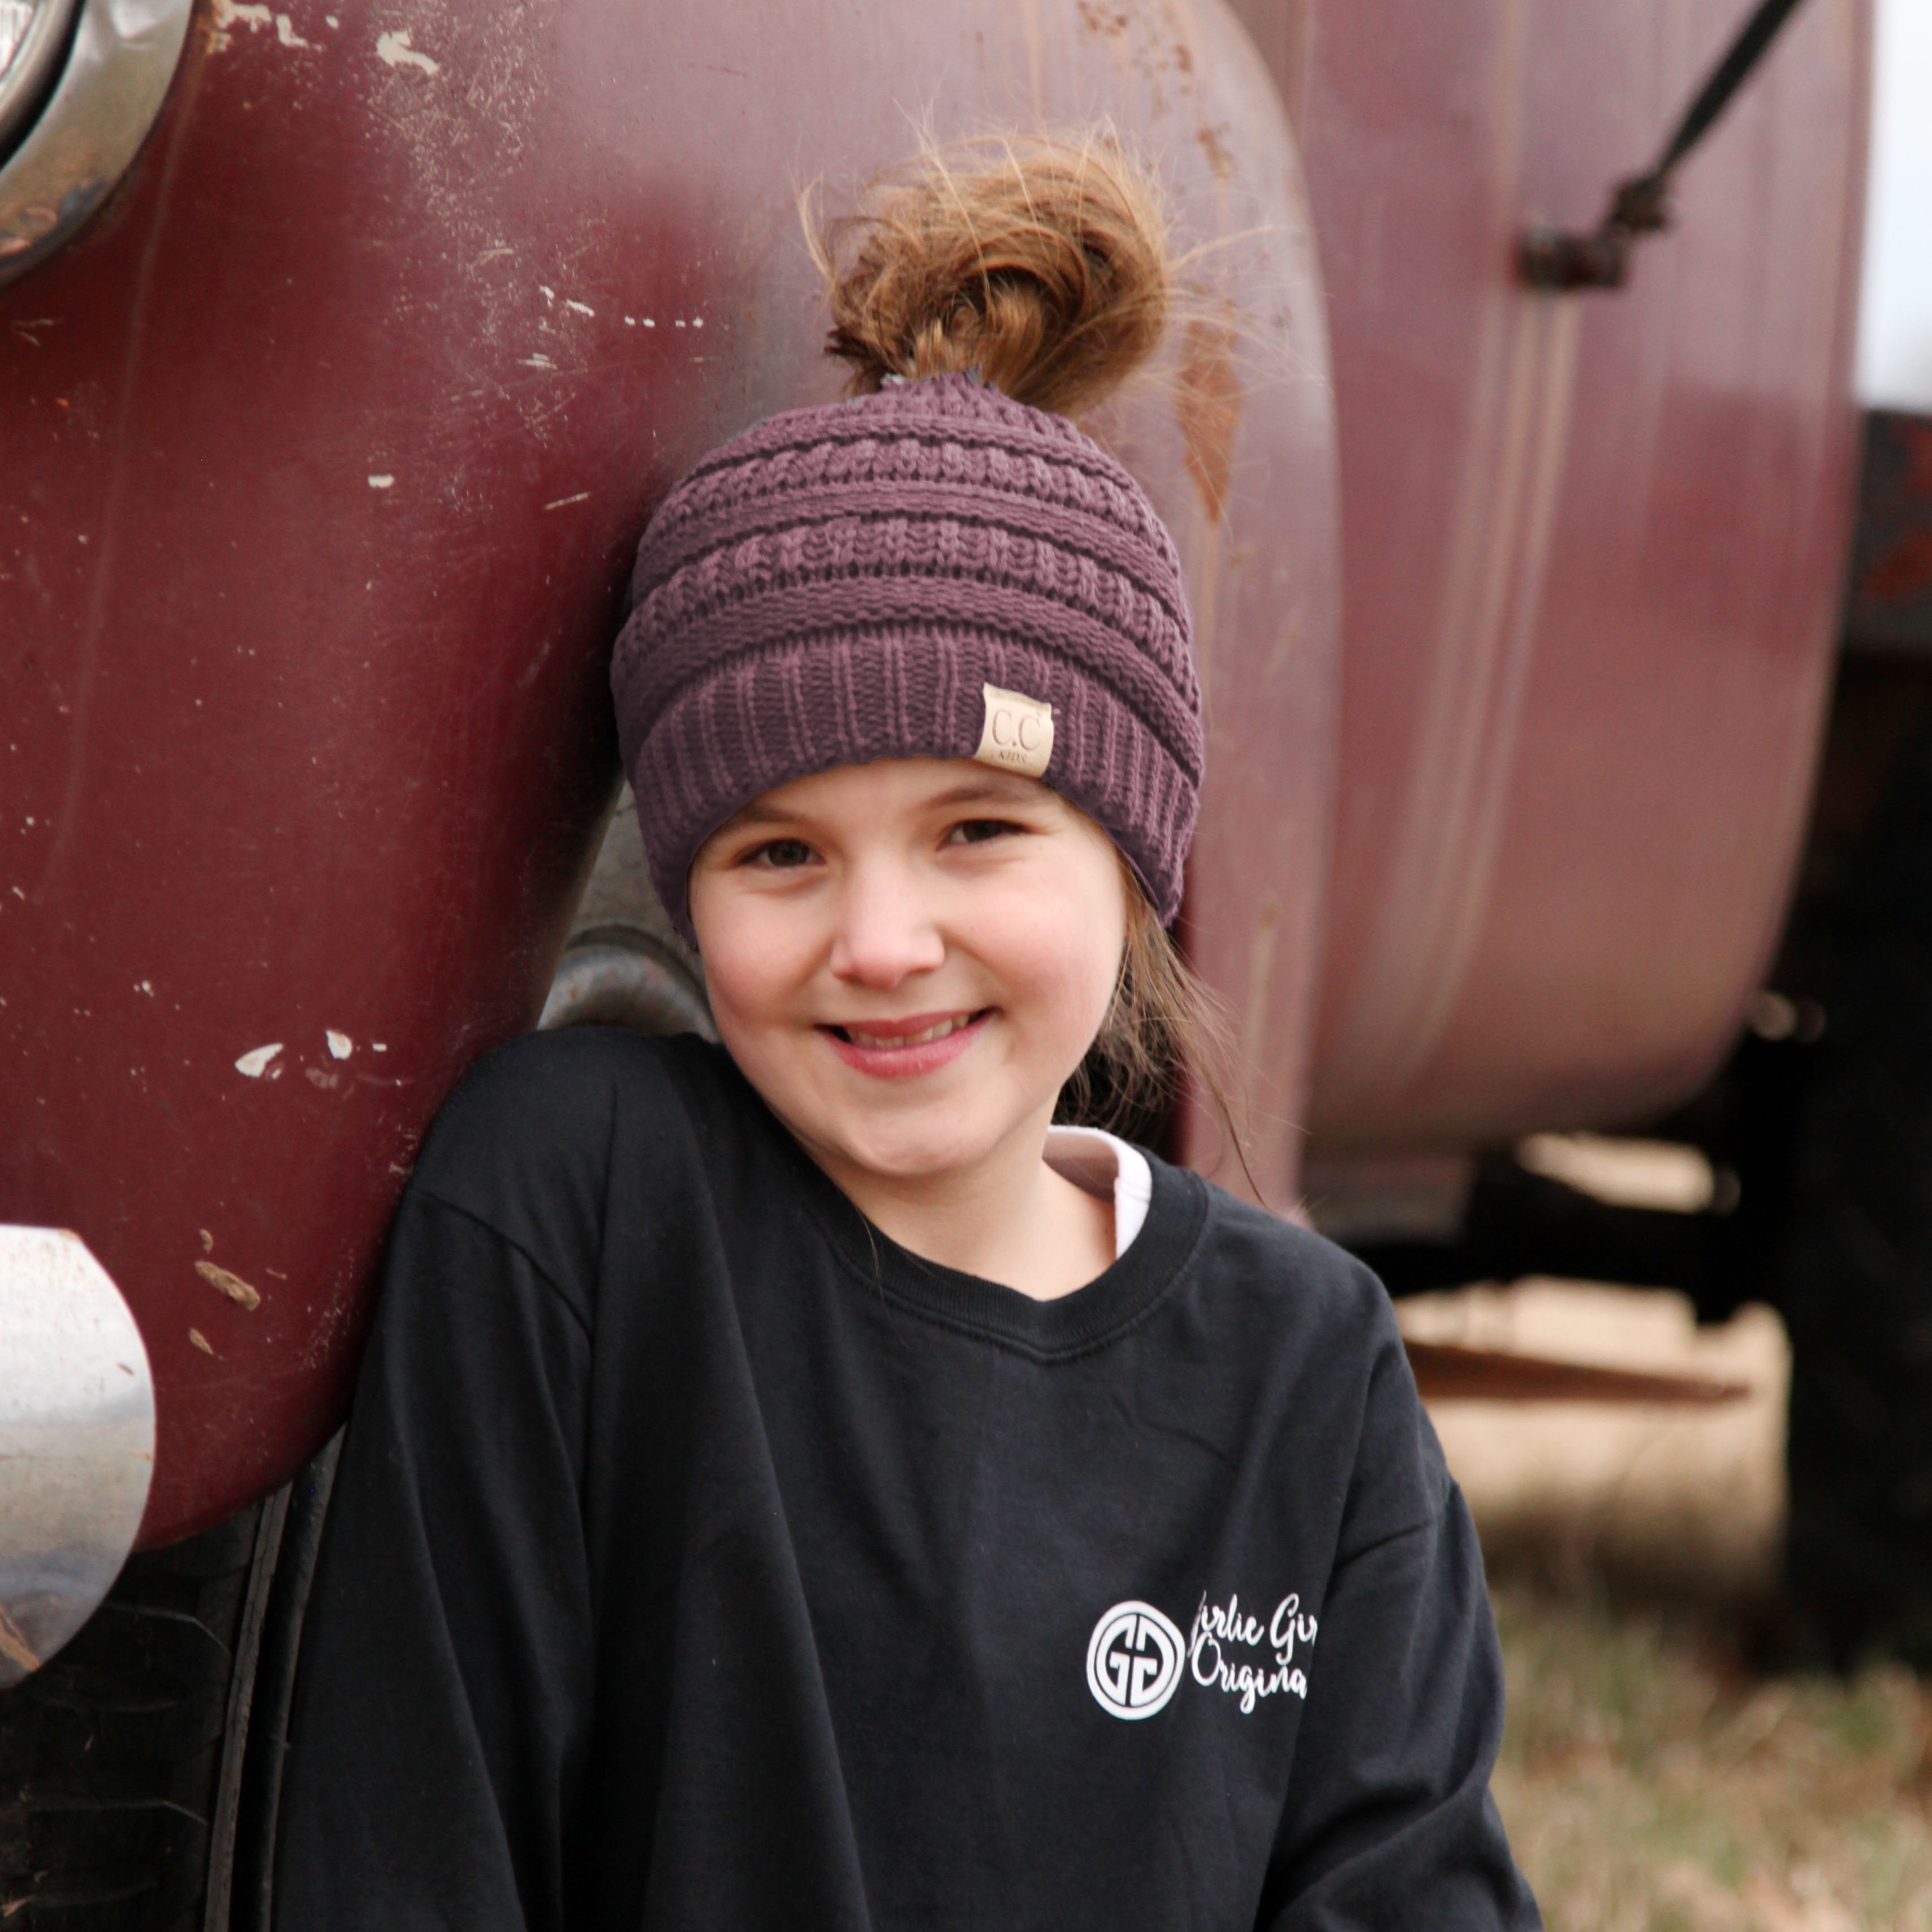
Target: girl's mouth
x=899, y=1049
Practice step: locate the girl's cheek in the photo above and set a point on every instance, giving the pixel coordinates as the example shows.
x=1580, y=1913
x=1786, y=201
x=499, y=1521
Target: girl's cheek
x=1065, y=967
x=746, y=960
x=758, y=995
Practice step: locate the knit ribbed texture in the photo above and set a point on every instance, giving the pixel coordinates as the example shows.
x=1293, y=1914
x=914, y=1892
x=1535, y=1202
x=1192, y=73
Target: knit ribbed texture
x=838, y=584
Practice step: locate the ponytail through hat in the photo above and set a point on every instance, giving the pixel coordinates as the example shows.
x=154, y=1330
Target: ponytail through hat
x=1045, y=271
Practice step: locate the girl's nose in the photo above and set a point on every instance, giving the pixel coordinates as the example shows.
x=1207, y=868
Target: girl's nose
x=886, y=932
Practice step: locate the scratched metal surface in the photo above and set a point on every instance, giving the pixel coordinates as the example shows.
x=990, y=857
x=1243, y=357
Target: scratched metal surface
x=1593, y=546
x=322, y=454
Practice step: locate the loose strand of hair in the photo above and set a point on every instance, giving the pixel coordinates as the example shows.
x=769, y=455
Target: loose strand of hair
x=1164, y=1030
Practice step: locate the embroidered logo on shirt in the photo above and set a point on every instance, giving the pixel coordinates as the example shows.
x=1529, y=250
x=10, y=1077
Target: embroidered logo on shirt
x=1133, y=1661
x=1222, y=1633
x=1018, y=734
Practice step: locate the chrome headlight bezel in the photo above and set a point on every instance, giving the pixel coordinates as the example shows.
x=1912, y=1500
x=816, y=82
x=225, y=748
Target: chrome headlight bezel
x=70, y=150
x=27, y=65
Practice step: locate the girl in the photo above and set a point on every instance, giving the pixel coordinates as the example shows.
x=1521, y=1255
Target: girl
x=796, y=1484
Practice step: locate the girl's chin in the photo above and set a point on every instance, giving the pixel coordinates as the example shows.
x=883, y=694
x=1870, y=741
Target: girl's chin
x=912, y=1157
x=924, y=1144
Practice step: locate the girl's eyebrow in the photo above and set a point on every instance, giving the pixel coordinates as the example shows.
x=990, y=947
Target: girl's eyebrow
x=1012, y=792
x=758, y=815
x=995, y=790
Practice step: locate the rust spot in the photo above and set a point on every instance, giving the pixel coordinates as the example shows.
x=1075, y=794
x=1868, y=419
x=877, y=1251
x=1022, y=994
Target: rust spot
x=1917, y=437
x=237, y=1290
x=1902, y=572
x=1219, y=157
x=1184, y=56
x=200, y=1341
x=1099, y=20
x=1210, y=403
x=13, y=1646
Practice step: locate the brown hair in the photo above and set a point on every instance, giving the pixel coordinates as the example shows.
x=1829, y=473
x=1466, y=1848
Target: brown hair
x=1041, y=263
x=1163, y=1027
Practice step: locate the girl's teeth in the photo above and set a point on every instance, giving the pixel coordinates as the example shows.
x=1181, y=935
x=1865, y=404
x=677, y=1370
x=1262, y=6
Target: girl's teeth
x=938, y=1032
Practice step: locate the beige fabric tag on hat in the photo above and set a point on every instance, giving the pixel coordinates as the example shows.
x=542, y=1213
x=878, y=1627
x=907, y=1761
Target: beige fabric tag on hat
x=1018, y=735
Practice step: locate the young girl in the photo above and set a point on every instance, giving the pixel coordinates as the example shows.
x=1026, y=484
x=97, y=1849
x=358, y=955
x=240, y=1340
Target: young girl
x=796, y=1485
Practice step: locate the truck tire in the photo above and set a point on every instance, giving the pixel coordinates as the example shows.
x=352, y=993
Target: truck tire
x=1856, y=1267
x=140, y=1769
x=112, y=1752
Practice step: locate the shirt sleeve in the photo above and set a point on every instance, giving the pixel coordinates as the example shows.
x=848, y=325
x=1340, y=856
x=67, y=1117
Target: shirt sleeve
x=1389, y=1821
x=441, y=1707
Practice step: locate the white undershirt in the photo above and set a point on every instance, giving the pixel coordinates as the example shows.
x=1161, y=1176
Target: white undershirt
x=1106, y=1167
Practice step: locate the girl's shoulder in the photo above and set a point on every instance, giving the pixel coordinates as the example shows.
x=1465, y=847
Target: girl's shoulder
x=1289, y=1271
x=529, y=1140
x=1316, y=1326
x=566, y=1086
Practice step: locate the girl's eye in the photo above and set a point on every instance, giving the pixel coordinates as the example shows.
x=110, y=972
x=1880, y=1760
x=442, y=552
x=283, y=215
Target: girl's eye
x=977, y=831
x=783, y=854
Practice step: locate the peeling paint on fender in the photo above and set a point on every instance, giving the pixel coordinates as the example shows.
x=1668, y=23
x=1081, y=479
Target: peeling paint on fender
x=393, y=50
x=235, y=13
x=237, y=1290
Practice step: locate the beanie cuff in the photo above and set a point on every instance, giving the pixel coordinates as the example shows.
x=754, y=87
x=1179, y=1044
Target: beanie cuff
x=810, y=704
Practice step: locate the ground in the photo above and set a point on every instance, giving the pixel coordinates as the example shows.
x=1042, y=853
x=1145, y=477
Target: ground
x=1653, y=1778
x=1649, y=1783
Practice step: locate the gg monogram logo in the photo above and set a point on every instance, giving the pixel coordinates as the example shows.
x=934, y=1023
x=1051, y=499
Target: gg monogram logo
x=1018, y=733
x=1133, y=1661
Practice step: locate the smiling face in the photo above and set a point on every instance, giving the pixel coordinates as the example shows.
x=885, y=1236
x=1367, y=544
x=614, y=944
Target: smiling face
x=908, y=959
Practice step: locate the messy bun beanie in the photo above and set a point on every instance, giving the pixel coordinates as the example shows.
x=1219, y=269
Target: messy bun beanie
x=873, y=579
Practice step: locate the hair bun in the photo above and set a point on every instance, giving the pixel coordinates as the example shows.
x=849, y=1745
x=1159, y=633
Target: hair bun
x=1042, y=266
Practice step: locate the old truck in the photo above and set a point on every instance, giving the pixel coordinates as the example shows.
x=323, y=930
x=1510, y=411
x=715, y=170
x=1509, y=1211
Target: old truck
x=345, y=346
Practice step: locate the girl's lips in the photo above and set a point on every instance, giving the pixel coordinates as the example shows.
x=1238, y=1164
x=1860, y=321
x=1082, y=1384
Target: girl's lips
x=902, y=1048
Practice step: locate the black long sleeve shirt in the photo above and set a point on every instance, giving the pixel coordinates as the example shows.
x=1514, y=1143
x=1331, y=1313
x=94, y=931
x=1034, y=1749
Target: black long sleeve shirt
x=700, y=1558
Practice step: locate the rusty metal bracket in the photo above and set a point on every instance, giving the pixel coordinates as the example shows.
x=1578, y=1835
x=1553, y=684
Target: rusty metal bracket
x=1563, y=259
x=1444, y=1372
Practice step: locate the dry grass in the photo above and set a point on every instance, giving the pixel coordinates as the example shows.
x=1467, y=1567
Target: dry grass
x=1651, y=1784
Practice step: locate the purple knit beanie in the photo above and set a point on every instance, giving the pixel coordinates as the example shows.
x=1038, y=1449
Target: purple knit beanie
x=880, y=578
